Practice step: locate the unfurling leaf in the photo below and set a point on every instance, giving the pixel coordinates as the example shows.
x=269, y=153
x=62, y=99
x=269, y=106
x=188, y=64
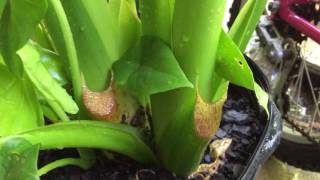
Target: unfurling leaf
x=43, y=81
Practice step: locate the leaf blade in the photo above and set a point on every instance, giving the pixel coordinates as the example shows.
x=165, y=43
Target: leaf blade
x=232, y=65
x=246, y=22
x=120, y=138
x=14, y=34
x=17, y=95
x=153, y=69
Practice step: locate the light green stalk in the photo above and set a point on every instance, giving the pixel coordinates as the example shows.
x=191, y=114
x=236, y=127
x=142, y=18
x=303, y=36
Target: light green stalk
x=246, y=22
x=70, y=48
x=157, y=17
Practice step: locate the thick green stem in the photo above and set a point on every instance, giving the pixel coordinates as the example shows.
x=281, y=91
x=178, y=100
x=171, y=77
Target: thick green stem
x=179, y=140
x=70, y=48
x=156, y=18
x=196, y=32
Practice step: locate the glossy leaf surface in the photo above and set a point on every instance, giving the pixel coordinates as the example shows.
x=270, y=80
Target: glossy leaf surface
x=231, y=63
x=92, y=134
x=18, y=159
x=150, y=68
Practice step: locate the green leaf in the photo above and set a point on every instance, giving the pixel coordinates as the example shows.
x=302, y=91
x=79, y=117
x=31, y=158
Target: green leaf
x=149, y=69
x=43, y=81
x=246, y=22
x=14, y=34
x=232, y=66
x=231, y=63
x=19, y=107
x=53, y=64
x=18, y=159
x=119, y=138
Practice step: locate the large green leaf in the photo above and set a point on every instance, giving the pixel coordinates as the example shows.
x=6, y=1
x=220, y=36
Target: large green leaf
x=17, y=28
x=231, y=63
x=19, y=107
x=43, y=81
x=232, y=66
x=149, y=69
x=246, y=22
x=119, y=138
x=18, y=159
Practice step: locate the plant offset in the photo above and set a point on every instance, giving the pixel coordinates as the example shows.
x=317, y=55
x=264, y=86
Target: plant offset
x=87, y=66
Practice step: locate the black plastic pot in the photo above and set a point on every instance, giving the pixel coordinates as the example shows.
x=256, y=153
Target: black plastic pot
x=270, y=138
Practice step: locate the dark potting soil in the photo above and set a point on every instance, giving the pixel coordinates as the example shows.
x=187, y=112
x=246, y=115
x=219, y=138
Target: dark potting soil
x=240, y=122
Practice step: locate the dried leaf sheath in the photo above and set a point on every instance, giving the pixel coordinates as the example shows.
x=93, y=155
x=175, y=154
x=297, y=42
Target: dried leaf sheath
x=113, y=104
x=207, y=117
x=101, y=105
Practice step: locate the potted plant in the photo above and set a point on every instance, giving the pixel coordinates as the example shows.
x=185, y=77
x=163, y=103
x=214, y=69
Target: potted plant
x=88, y=66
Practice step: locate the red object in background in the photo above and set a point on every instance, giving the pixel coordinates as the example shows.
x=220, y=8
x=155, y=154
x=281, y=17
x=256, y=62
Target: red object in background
x=287, y=14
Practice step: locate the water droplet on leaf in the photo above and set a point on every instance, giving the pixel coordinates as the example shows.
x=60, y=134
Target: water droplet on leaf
x=185, y=38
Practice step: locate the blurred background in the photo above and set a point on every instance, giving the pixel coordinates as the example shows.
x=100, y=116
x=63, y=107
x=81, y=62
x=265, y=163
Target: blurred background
x=290, y=59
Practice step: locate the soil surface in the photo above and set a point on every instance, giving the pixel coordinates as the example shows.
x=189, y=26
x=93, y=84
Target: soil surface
x=241, y=122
